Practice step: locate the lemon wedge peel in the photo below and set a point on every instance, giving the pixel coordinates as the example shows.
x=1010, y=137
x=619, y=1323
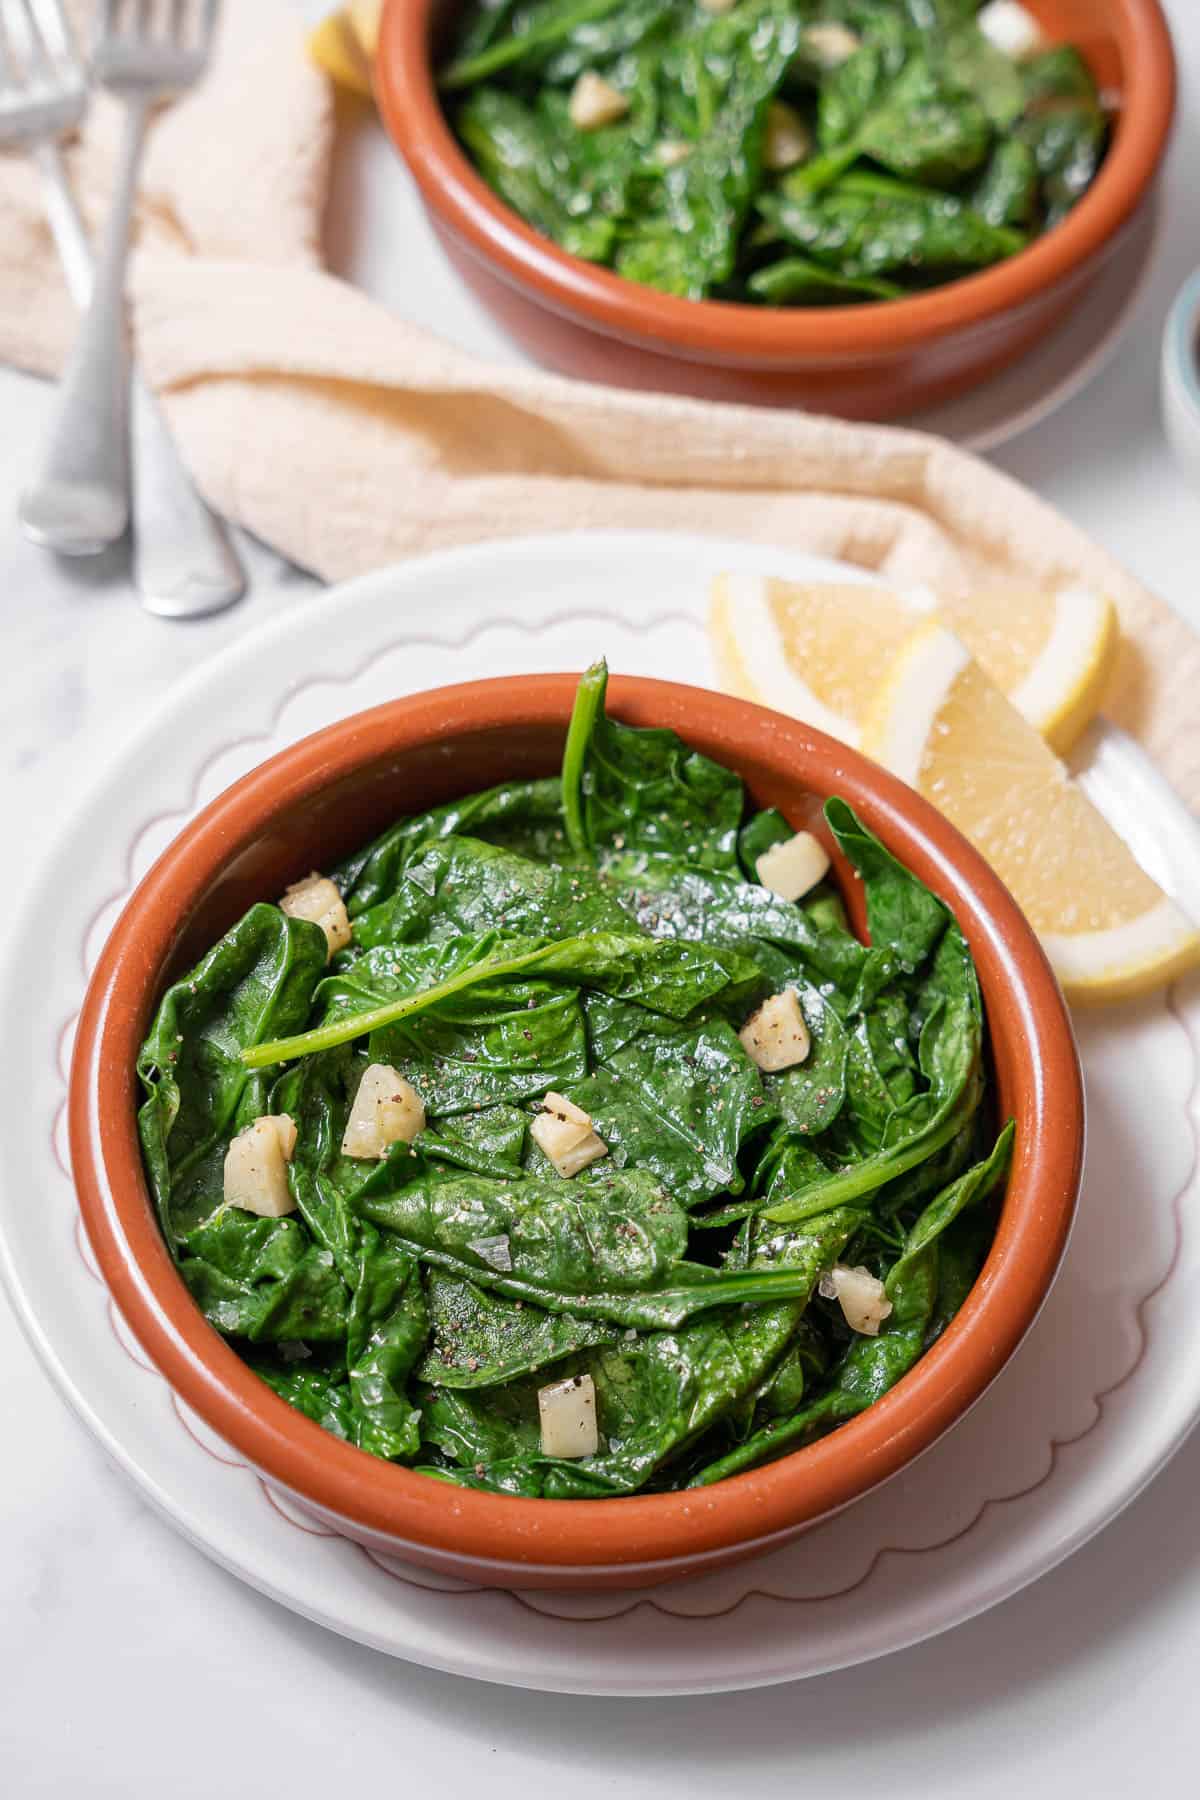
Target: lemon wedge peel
x=1126, y=960
x=1065, y=688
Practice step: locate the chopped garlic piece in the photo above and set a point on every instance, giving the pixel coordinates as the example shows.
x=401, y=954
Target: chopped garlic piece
x=567, y=1412
x=387, y=1110
x=787, y=139
x=1011, y=28
x=255, y=1174
x=316, y=899
x=285, y=1127
x=562, y=1108
x=860, y=1294
x=595, y=102
x=566, y=1135
x=830, y=43
x=790, y=869
x=776, y=1037
x=671, y=152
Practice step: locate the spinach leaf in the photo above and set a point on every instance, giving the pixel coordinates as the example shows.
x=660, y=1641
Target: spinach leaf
x=318, y=1393
x=655, y=1394
x=869, y=225
x=797, y=279
x=644, y=789
x=263, y=1279
x=760, y=833
x=679, y=1102
x=385, y=1335
x=685, y=240
x=673, y=900
x=970, y=62
x=809, y=1097
x=533, y=31
x=478, y=1430
x=803, y=1367
x=597, y=42
x=618, y=1231
x=921, y=126
x=488, y=1142
x=495, y=1042
x=1007, y=190
x=257, y=982
x=872, y=1365
x=526, y=156
x=902, y=915
x=316, y=1094
x=462, y=887
x=480, y=1339
x=522, y=816
x=949, y=1061
x=609, y=1248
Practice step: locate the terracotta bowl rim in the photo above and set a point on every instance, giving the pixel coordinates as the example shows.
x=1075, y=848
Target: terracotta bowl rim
x=711, y=330
x=638, y=1534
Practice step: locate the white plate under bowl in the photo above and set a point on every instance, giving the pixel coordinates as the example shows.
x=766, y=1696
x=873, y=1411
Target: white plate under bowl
x=1102, y=1391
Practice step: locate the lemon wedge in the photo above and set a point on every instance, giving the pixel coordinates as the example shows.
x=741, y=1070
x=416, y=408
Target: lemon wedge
x=364, y=16
x=814, y=650
x=817, y=650
x=336, y=48
x=1053, y=654
x=943, y=726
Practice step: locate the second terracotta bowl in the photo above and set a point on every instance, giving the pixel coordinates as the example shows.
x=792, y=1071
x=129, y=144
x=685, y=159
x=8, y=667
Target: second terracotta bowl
x=862, y=362
x=312, y=804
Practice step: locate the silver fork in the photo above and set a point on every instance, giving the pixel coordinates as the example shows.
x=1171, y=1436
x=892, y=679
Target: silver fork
x=184, y=563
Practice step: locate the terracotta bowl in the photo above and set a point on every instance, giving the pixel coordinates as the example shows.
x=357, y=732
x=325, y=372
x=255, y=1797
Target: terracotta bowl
x=309, y=806
x=863, y=362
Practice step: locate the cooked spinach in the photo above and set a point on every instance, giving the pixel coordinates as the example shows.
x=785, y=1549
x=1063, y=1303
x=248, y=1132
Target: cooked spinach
x=917, y=151
x=600, y=936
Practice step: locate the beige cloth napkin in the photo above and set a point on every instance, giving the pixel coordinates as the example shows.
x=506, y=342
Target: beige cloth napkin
x=348, y=438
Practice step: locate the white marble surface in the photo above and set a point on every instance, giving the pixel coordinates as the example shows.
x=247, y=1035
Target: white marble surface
x=131, y=1666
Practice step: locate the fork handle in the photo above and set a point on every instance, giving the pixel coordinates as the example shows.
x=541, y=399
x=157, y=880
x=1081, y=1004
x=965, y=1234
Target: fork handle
x=185, y=564
x=80, y=503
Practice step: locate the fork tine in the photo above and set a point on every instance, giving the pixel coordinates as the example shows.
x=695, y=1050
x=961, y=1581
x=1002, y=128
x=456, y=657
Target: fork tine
x=26, y=55
x=51, y=23
x=9, y=71
x=47, y=44
x=208, y=22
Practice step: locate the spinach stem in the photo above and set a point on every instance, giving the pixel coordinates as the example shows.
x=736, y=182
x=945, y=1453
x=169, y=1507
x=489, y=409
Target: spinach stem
x=589, y=702
x=823, y=171
x=515, y=48
x=354, y=1025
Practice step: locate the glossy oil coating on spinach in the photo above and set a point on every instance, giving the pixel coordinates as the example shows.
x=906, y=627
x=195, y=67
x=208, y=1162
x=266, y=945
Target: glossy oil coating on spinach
x=779, y=152
x=601, y=935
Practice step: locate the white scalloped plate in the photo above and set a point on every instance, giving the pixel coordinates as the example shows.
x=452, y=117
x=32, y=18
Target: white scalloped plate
x=1101, y=1393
